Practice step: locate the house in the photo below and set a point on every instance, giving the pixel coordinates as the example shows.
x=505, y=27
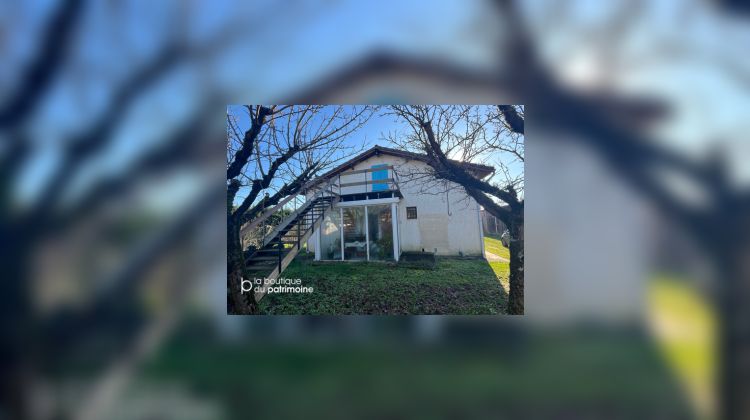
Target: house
x=388, y=203
x=388, y=77
x=492, y=225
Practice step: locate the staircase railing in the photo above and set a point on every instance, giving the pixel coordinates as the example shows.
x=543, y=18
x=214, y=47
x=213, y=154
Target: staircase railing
x=276, y=233
x=361, y=180
x=326, y=189
x=263, y=216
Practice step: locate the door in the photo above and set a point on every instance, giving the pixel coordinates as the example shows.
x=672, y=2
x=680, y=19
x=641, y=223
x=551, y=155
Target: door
x=380, y=232
x=354, y=234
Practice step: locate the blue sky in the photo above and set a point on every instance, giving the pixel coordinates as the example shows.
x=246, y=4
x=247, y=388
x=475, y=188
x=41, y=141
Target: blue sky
x=695, y=61
x=374, y=132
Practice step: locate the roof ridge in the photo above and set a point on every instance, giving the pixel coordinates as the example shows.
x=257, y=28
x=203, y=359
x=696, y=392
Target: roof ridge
x=397, y=152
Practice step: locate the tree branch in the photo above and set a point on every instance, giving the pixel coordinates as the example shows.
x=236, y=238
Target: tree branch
x=283, y=192
x=99, y=134
x=263, y=183
x=39, y=74
x=248, y=142
x=446, y=169
x=511, y=117
x=493, y=208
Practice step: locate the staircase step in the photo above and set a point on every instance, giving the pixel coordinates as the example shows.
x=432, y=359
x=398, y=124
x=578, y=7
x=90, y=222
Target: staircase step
x=262, y=266
x=263, y=258
x=272, y=246
x=259, y=271
x=302, y=222
x=260, y=261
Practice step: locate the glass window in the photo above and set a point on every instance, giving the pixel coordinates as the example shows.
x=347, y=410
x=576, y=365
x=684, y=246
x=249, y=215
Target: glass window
x=381, y=232
x=354, y=233
x=411, y=212
x=330, y=236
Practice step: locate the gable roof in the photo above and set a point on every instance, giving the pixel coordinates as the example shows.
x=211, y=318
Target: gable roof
x=433, y=80
x=479, y=170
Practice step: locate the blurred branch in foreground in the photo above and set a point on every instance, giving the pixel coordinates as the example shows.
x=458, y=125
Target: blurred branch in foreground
x=96, y=186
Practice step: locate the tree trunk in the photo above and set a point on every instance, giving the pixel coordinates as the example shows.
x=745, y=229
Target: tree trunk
x=734, y=332
x=17, y=329
x=515, y=297
x=238, y=303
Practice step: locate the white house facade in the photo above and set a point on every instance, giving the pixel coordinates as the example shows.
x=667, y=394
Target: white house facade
x=389, y=204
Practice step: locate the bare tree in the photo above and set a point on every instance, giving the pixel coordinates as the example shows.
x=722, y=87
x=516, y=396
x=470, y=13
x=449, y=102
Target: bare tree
x=64, y=206
x=452, y=134
x=614, y=128
x=283, y=148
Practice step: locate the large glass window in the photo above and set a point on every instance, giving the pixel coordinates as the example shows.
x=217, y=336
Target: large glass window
x=330, y=236
x=380, y=229
x=355, y=240
x=363, y=229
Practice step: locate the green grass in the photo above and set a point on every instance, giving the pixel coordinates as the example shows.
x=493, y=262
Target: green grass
x=496, y=247
x=502, y=271
x=684, y=326
x=501, y=268
x=455, y=286
x=565, y=374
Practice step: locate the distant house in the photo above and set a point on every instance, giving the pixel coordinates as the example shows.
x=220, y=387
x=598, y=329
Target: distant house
x=386, y=203
x=491, y=224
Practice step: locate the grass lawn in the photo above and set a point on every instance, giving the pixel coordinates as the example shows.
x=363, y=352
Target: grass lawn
x=501, y=269
x=543, y=375
x=496, y=247
x=454, y=286
x=684, y=325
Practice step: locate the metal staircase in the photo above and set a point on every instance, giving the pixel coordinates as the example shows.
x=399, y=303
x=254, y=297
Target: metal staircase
x=284, y=242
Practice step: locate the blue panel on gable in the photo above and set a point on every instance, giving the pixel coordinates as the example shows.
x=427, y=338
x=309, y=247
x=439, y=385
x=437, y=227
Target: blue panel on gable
x=377, y=175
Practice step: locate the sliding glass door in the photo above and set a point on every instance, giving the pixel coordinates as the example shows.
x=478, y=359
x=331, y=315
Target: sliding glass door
x=380, y=232
x=358, y=233
x=330, y=236
x=355, y=236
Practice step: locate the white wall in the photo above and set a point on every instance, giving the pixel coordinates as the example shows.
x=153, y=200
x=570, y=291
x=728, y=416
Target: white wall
x=446, y=221
x=587, y=241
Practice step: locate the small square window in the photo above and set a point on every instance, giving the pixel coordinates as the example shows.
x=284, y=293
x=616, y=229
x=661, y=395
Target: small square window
x=411, y=212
